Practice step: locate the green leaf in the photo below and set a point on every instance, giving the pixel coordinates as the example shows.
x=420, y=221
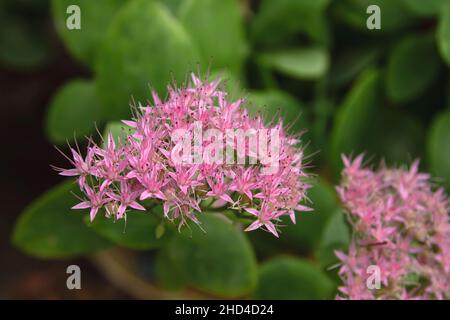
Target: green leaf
x=219, y=261
x=365, y=124
x=145, y=45
x=222, y=41
x=412, y=68
x=301, y=63
x=448, y=93
x=48, y=228
x=335, y=236
x=400, y=137
x=349, y=63
x=394, y=14
x=231, y=84
x=119, y=131
x=289, y=278
x=439, y=148
x=169, y=277
x=306, y=233
x=74, y=111
x=443, y=33
x=138, y=232
x=279, y=21
x=265, y=244
x=173, y=5
x=273, y=103
x=323, y=109
x=424, y=8
x=352, y=121
x=95, y=17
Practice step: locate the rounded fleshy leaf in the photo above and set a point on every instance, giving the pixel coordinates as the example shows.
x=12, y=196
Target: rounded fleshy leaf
x=305, y=235
x=48, y=228
x=231, y=84
x=118, y=130
x=160, y=51
x=334, y=236
x=74, y=111
x=424, y=8
x=218, y=260
x=363, y=121
x=352, y=62
x=169, y=277
x=413, y=66
x=273, y=104
x=394, y=14
x=404, y=137
x=95, y=17
x=443, y=33
x=290, y=278
x=351, y=121
x=279, y=21
x=138, y=232
x=439, y=148
x=224, y=21
x=301, y=63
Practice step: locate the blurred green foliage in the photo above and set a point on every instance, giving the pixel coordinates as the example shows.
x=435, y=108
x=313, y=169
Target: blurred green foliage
x=96, y=17
x=412, y=68
x=74, y=111
x=24, y=43
x=48, y=227
x=384, y=92
x=138, y=232
x=218, y=260
x=292, y=278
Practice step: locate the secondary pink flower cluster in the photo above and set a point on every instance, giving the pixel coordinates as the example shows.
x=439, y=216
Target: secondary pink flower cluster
x=126, y=174
x=401, y=225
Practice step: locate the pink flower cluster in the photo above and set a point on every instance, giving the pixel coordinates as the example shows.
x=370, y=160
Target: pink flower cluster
x=401, y=225
x=130, y=173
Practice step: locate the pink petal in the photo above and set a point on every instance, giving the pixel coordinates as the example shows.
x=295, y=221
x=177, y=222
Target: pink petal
x=69, y=173
x=104, y=185
x=93, y=213
x=345, y=160
x=271, y=228
x=76, y=156
x=166, y=208
x=226, y=198
x=292, y=216
x=82, y=205
x=111, y=143
x=303, y=208
x=358, y=161
x=160, y=195
x=121, y=211
x=252, y=211
x=145, y=195
x=136, y=206
x=131, y=174
x=249, y=194
x=129, y=123
x=184, y=189
x=341, y=256
x=255, y=225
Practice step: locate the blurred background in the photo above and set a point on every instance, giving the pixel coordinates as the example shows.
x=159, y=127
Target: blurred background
x=385, y=92
x=34, y=65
